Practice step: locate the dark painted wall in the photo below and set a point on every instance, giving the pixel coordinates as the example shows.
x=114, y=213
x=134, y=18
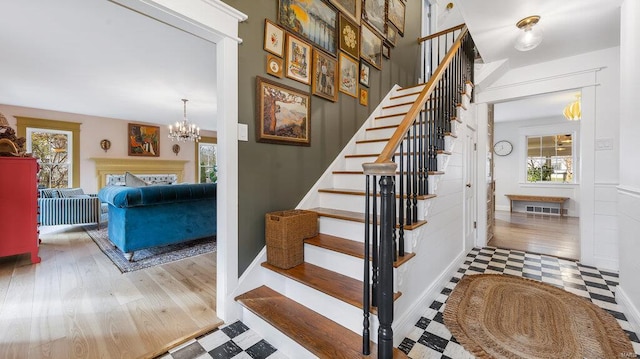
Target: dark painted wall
x=276, y=177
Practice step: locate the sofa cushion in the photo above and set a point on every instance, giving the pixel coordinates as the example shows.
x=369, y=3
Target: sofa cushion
x=70, y=192
x=131, y=180
x=122, y=197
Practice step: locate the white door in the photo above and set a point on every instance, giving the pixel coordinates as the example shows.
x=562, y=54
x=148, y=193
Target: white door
x=470, y=209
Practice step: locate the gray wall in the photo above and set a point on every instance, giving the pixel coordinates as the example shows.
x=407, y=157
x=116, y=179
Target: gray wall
x=276, y=177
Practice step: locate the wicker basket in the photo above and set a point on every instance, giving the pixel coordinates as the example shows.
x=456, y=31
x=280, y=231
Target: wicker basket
x=285, y=235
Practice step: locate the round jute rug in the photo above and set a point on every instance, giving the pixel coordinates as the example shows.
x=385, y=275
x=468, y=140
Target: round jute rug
x=502, y=316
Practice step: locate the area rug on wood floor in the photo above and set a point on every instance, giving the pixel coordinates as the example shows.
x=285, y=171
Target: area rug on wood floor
x=503, y=316
x=145, y=258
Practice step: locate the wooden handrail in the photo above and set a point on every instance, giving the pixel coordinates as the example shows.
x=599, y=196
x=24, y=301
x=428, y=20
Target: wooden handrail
x=383, y=165
x=440, y=33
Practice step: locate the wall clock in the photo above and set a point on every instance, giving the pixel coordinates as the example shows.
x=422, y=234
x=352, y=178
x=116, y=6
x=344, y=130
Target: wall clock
x=502, y=148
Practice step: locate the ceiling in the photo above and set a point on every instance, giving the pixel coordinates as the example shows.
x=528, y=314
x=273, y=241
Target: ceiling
x=569, y=27
x=97, y=58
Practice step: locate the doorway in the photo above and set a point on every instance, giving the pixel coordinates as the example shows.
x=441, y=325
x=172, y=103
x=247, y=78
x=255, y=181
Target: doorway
x=541, y=159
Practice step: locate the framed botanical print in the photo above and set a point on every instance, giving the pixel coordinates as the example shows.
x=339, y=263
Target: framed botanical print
x=373, y=12
x=144, y=140
x=273, y=38
x=395, y=13
x=392, y=34
x=305, y=18
x=351, y=8
x=348, y=75
x=298, y=66
x=365, y=70
x=324, y=82
x=283, y=114
x=364, y=97
x=349, y=37
x=274, y=66
x=386, y=50
x=370, y=46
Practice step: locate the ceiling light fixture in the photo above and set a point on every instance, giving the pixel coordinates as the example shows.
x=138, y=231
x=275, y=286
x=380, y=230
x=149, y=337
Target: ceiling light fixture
x=530, y=37
x=573, y=111
x=184, y=131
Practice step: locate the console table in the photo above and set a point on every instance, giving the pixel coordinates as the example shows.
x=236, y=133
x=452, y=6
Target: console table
x=534, y=198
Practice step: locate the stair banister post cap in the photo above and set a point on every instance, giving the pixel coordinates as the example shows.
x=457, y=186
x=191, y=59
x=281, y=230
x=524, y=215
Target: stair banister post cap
x=380, y=168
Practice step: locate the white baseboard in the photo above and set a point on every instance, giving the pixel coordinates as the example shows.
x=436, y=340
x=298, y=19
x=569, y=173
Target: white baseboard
x=631, y=311
x=407, y=322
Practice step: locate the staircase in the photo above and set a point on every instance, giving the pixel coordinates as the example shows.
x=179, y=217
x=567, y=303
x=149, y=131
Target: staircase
x=317, y=309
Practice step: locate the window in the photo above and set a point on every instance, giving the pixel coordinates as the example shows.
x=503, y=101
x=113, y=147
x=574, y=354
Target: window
x=27, y=125
x=550, y=158
x=207, y=169
x=53, y=148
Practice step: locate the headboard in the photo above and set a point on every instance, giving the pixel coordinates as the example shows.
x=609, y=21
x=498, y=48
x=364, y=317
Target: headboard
x=118, y=180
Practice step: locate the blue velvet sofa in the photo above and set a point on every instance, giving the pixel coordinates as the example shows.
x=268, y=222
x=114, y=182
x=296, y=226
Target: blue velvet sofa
x=149, y=216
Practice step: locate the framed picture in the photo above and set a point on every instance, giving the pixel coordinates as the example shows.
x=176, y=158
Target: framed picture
x=386, y=50
x=283, y=114
x=373, y=12
x=298, y=60
x=395, y=13
x=348, y=75
x=313, y=20
x=392, y=34
x=349, y=37
x=370, y=46
x=364, y=97
x=351, y=8
x=325, y=76
x=274, y=66
x=273, y=38
x=144, y=140
x=364, y=73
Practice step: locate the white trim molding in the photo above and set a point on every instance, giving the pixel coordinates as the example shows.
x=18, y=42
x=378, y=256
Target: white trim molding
x=628, y=190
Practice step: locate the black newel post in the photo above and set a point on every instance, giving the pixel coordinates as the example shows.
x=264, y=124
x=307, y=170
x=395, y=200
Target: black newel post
x=385, y=289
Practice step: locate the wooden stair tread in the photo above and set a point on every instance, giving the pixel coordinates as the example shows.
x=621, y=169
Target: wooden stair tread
x=318, y=334
x=357, y=192
x=355, y=216
x=334, y=284
x=349, y=247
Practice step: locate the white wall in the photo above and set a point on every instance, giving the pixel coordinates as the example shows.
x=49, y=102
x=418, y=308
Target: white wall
x=94, y=129
x=509, y=172
x=597, y=75
x=629, y=189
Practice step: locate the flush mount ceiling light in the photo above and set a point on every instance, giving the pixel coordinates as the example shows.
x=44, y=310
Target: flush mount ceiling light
x=530, y=37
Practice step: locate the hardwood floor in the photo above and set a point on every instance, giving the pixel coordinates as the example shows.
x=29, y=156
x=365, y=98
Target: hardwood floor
x=536, y=233
x=77, y=304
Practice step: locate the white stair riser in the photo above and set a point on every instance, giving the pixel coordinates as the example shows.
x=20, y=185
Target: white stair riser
x=378, y=146
x=403, y=99
x=336, y=310
x=354, y=203
x=388, y=121
x=357, y=181
x=400, y=108
x=379, y=133
x=347, y=265
x=409, y=90
x=355, y=163
x=355, y=230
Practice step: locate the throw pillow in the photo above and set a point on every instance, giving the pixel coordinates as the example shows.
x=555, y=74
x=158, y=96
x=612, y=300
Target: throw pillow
x=70, y=192
x=131, y=180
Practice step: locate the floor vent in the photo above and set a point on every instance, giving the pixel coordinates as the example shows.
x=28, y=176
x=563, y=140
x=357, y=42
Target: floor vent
x=545, y=210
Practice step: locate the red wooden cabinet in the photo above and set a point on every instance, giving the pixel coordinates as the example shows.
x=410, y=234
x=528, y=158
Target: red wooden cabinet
x=19, y=207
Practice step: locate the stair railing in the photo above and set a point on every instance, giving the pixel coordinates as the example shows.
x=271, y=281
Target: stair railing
x=417, y=139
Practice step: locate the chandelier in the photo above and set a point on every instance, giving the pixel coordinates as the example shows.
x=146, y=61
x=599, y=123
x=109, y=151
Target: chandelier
x=184, y=131
x=573, y=111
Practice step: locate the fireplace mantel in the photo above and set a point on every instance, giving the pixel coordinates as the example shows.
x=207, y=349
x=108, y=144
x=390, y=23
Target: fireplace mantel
x=105, y=166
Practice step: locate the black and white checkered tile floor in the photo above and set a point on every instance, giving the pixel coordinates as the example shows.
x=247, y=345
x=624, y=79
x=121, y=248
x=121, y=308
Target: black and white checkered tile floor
x=430, y=338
